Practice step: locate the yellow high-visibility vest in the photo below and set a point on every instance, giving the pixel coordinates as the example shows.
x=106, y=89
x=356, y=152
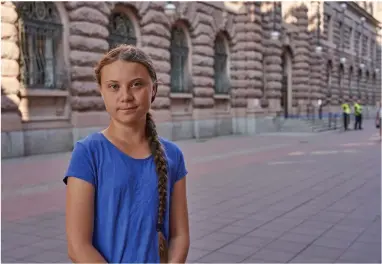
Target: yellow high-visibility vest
x=357, y=109
x=346, y=108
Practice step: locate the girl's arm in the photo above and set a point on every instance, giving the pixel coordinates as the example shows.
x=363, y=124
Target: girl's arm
x=179, y=229
x=79, y=222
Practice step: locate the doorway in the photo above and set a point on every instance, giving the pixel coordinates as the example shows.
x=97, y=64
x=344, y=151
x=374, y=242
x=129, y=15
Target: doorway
x=286, y=82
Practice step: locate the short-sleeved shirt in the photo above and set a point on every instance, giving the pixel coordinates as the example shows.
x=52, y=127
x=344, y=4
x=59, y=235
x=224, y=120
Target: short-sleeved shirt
x=126, y=197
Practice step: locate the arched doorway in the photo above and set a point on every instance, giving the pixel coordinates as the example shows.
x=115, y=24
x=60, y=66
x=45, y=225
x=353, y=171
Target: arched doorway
x=286, y=83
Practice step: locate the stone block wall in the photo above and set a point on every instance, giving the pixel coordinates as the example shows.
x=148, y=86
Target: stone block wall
x=255, y=69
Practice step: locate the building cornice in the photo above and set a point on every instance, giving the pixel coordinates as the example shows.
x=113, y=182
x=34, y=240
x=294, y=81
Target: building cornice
x=364, y=13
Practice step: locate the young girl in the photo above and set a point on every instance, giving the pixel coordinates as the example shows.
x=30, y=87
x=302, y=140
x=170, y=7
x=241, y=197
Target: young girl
x=126, y=187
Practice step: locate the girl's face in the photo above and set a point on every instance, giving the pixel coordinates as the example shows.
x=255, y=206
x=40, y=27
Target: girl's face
x=127, y=89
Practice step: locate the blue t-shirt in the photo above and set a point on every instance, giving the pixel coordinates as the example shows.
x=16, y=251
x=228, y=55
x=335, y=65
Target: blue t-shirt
x=126, y=197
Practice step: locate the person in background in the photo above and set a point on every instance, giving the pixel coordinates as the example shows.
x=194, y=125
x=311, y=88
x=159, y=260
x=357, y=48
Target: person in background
x=346, y=115
x=358, y=116
x=126, y=186
x=378, y=120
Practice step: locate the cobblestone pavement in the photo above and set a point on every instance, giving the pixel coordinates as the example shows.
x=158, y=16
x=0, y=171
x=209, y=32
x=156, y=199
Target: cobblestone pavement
x=271, y=198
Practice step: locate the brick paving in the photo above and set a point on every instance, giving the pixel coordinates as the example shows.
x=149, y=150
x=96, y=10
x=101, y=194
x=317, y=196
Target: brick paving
x=249, y=200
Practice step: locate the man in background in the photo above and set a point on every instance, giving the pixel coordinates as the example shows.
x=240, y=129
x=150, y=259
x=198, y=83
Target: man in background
x=346, y=115
x=358, y=115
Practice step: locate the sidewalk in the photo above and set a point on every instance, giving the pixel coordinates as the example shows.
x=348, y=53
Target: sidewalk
x=250, y=200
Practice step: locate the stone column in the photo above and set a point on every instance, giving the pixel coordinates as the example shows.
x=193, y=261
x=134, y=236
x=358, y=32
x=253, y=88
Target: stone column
x=240, y=80
x=10, y=54
x=11, y=126
x=301, y=71
x=316, y=60
x=88, y=42
x=272, y=69
x=239, y=73
x=203, y=57
x=156, y=40
x=254, y=54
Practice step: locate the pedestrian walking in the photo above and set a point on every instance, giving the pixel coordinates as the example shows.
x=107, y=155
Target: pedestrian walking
x=358, y=116
x=126, y=186
x=346, y=115
x=378, y=120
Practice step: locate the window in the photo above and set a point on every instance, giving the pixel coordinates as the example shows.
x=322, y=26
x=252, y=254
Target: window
x=359, y=77
x=222, y=83
x=330, y=28
x=366, y=85
x=351, y=37
x=351, y=81
x=329, y=78
x=121, y=31
x=374, y=91
x=40, y=32
x=341, y=79
x=179, y=60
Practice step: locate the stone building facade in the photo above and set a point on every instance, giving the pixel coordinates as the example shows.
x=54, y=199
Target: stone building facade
x=220, y=69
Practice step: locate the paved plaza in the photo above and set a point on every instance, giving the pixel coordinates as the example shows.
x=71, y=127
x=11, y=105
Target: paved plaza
x=273, y=198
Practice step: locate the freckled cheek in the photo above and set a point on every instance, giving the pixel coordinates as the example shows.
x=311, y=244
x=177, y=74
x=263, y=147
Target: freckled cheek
x=143, y=96
x=110, y=103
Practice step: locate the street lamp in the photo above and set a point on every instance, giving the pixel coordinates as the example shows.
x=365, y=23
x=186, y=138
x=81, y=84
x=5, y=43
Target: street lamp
x=274, y=34
x=318, y=48
x=362, y=65
x=343, y=60
x=170, y=9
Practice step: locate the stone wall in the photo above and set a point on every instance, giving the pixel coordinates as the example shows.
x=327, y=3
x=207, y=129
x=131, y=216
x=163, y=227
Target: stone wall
x=87, y=40
x=254, y=60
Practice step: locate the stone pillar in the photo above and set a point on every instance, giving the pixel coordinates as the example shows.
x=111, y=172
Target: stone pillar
x=240, y=80
x=301, y=72
x=316, y=60
x=254, y=54
x=239, y=73
x=272, y=69
x=156, y=40
x=203, y=58
x=12, y=144
x=88, y=42
x=203, y=40
x=10, y=54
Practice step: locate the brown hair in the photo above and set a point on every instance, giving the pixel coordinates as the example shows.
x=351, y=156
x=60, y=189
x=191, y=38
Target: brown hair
x=134, y=54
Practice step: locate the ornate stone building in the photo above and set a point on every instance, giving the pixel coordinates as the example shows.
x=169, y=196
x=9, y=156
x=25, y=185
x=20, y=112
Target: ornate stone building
x=224, y=67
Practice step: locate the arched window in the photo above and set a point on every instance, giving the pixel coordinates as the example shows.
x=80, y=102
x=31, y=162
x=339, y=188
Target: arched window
x=367, y=86
x=359, y=77
x=121, y=31
x=329, y=78
x=222, y=83
x=40, y=32
x=351, y=81
x=374, y=89
x=179, y=60
x=341, y=79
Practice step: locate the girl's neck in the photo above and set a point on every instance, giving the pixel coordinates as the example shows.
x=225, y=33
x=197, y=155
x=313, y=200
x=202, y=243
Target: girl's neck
x=130, y=135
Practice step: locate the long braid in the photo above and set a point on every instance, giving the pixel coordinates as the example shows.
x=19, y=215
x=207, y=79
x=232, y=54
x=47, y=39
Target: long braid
x=161, y=168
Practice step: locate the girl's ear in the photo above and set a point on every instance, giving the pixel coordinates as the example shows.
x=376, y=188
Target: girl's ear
x=155, y=89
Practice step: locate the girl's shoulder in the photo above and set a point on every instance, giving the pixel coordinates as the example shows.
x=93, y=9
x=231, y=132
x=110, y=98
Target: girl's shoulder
x=170, y=147
x=92, y=141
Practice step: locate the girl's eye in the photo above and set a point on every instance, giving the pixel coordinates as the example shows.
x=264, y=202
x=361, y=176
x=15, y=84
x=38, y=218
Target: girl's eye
x=114, y=86
x=137, y=84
